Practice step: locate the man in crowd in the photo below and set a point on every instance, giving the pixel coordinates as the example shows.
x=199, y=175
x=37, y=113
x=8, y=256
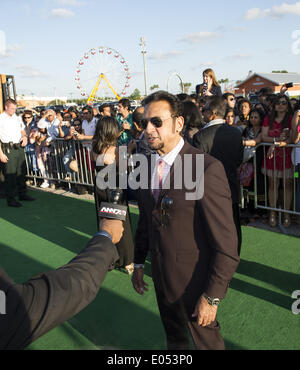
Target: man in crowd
x=88, y=124
x=96, y=113
x=105, y=110
x=224, y=143
x=13, y=141
x=51, y=123
x=125, y=122
x=193, y=243
x=43, y=302
x=229, y=99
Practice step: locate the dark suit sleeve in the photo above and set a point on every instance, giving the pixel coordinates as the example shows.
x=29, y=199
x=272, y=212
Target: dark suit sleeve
x=141, y=235
x=216, y=211
x=47, y=300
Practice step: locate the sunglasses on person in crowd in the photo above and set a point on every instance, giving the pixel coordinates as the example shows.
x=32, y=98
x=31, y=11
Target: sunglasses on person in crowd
x=155, y=121
x=281, y=102
x=27, y=117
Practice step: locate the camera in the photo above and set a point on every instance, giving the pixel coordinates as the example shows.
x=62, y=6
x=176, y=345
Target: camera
x=288, y=85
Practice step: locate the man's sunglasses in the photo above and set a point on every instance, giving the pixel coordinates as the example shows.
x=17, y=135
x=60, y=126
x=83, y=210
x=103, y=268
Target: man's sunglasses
x=155, y=121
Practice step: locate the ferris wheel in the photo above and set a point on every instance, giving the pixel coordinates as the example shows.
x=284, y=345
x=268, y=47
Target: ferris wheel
x=100, y=72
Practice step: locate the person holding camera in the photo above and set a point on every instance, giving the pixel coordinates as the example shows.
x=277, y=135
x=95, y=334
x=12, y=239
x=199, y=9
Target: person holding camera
x=43, y=302
x=13, y=140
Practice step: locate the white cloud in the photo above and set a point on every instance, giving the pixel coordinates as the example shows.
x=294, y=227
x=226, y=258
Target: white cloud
x=26, y=71
x=201, y=66
x=241, y=56
x=70, y=2
x=164, y=55
x=276, y=11
x=9, y=50
x=61, y=13
x=198, y=37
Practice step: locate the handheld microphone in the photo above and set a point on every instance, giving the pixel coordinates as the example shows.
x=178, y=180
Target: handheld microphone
x=113, y=209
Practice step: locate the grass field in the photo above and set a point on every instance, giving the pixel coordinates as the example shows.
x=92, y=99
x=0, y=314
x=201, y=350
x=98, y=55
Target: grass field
x=256, y=313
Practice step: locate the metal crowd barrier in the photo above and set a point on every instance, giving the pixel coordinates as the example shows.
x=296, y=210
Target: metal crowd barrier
x=261, y=201
x=53, y=164
x=63, y=161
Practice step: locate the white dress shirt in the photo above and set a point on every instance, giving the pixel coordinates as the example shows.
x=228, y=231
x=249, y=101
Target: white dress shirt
x=10, y=128
x=168, y=159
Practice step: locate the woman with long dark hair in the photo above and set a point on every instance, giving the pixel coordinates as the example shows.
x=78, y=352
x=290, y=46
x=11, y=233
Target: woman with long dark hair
x=192, y=120
x=210, y=85
x=104, y=153
x=276, y=129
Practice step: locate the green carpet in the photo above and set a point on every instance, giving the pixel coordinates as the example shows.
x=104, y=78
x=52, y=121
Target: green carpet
x=256, y=313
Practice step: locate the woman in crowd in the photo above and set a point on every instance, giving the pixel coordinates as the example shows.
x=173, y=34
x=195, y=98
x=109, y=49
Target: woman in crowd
x=69, y=159
x=192, y=120
x=104, y=153
x=251, y=138
x=30, y=127
x=210, y=85
x=296, y=155
x=230, y=117
x=277, y=164
x=244, y=108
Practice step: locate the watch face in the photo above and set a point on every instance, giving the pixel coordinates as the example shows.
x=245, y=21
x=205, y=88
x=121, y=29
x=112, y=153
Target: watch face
x=215, y=302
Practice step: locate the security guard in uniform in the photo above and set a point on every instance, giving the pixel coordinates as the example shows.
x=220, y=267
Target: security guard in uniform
x=13, y=140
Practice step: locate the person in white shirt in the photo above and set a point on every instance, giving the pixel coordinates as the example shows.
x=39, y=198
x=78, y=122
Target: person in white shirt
x=13, y=140
x=88, y=130
x=88, y=124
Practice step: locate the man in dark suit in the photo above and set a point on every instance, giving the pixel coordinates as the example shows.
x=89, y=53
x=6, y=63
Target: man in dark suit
x=194, y=246
x=224, y=143
x=45, y=301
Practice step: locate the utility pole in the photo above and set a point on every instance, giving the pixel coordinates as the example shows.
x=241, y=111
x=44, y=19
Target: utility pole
x=55, y=96
x=143, y=46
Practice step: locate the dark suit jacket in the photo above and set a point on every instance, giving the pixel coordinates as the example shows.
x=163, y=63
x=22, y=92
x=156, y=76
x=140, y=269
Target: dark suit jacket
x=215, y=90
x=224, y=143
x=47, y=300
x=197, y=252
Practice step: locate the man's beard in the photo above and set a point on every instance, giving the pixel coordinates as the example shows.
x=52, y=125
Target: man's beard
x=157, y=145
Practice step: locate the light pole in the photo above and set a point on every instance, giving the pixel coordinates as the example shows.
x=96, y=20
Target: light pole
x=143, y=46
x=55, y=96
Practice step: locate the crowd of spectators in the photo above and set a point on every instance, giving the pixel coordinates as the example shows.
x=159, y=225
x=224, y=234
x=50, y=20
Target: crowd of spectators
x=273, y=119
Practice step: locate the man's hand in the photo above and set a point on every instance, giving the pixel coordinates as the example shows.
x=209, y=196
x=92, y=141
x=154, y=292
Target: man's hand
x=205, y=312
x=138, y=282
x=3, y=158
x=114, y=228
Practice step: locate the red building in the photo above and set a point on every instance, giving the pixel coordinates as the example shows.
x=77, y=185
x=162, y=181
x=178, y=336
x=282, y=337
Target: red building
x=255, y=81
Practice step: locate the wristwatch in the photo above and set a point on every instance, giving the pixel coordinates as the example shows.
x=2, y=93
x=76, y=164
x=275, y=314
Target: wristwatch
x=211, y=301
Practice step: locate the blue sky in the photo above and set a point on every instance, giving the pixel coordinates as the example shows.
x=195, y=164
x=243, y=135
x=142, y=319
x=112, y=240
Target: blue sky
x=45, y=39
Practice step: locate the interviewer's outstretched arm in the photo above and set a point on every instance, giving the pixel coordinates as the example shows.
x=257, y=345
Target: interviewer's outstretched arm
x=45, y=301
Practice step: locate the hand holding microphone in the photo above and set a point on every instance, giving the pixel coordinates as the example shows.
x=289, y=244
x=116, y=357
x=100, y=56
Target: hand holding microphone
x=114, y=228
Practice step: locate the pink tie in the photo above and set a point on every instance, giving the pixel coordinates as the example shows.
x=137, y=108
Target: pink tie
x=159, y=176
